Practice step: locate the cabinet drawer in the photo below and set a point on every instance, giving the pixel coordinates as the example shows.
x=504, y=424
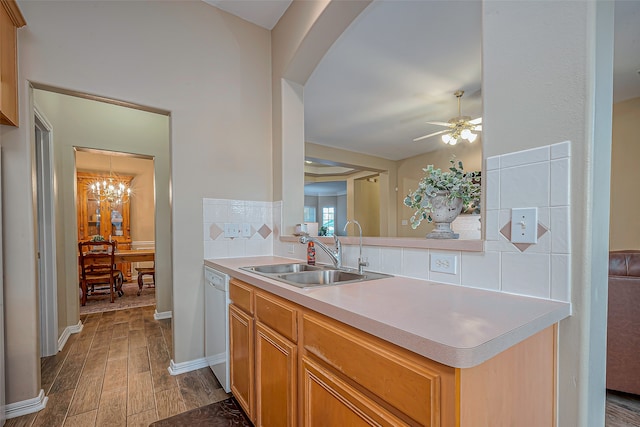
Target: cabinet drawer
x=394, y=377
x=277, y=314
x=241, y=295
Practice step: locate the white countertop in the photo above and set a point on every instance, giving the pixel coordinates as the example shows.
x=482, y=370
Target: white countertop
x=454, y=325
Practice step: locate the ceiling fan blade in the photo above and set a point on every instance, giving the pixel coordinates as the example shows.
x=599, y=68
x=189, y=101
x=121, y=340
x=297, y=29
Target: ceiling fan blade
x=476, y=121
x=440, y=123
x=477, y=128
x=430, y=135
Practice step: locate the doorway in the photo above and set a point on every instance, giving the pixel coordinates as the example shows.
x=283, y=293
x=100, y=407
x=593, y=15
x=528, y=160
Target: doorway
x=126, y=219
x=95, y=123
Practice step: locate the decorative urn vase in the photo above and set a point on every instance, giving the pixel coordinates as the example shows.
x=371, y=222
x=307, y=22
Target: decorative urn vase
x=443, y=212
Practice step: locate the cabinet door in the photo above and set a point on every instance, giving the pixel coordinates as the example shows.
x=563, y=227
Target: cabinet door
x=276, y=371
x=329, y=401
x=241, y=355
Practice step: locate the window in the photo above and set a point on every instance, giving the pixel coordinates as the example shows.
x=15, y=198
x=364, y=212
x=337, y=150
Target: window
x=328, y=219
x=310, y=214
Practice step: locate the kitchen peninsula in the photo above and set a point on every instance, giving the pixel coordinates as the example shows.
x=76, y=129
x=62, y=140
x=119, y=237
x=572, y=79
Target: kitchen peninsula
x=393, y=351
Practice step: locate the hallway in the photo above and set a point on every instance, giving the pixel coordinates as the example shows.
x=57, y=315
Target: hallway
x=114, y=373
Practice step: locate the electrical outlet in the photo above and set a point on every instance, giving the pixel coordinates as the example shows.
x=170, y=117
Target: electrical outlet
x=444, y=263
x=524, y=225
x=231, y=230
x=291, y=249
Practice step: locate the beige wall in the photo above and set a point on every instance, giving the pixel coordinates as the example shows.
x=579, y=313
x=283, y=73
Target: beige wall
x=215, y=81
x=141, y=206
x=625, y=175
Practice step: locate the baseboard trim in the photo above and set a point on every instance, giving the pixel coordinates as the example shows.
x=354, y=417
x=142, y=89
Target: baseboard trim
x=162, y=315
x=25, y=407
x=183, y=367
x=67, y=333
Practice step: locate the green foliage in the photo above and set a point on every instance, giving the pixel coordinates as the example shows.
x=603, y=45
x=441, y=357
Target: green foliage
x=455, y=182
x=97, y=238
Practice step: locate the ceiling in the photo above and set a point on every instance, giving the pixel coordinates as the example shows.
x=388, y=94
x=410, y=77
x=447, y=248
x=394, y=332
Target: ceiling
x=265, y=13
x=396, y=67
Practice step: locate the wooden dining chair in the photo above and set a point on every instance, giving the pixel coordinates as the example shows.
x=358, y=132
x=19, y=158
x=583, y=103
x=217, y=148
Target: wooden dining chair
x=142, y=271
x=97, y=266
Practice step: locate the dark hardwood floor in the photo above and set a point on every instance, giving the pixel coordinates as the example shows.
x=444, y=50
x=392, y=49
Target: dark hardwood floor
x=623, y=410
x=114, y=373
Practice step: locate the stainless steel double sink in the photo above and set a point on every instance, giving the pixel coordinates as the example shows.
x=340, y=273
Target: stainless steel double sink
x=312, y=276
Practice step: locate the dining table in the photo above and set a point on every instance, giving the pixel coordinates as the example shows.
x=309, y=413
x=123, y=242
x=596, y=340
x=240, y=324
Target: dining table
x=125, y=255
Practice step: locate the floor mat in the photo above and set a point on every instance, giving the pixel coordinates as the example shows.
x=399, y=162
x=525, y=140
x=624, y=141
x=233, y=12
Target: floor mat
x=220, y=414
x=101, y=300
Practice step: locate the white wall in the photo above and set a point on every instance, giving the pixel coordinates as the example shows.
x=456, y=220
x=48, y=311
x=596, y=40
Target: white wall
x=210, y=70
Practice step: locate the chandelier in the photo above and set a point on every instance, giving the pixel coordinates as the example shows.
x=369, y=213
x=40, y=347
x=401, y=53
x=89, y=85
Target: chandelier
x=111, y=190
x=462, y=127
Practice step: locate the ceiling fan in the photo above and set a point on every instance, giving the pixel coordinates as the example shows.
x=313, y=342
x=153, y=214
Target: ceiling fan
x=460, y=127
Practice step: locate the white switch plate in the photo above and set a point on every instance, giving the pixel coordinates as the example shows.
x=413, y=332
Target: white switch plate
x=291, y=249
x=444, y=263
x=524, y=225
x=231, y=230
x=245, y=229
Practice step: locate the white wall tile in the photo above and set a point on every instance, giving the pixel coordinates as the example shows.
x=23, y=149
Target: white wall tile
x=373, y=255
x=480, y=270
x=560, y=230
x=493, y=163
x=215, y=210
x=415, y=263
x=492, y=225
x=492, y=189
x=237, y=247
x=525, y=186
x=216, y=249
x=525, y=157
x=261, y=247
x=560, y=182
x=526, y=274
x=391, y=260
x=561, y=277
x=560, y=150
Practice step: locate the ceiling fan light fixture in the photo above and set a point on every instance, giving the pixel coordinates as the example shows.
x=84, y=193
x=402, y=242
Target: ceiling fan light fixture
x=465, y=134
x=472, y=137
x=446, y=138
x=453, y=141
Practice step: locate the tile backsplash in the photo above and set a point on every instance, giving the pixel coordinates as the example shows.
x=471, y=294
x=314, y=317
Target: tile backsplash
x=259, y=215
x=538, y=178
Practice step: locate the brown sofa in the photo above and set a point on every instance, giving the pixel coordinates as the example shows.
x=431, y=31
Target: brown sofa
x=623, y=327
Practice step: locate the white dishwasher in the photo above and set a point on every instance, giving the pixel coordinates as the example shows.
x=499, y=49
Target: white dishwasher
x=216, y=328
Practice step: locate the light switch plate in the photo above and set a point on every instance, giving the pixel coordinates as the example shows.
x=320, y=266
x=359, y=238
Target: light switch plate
x=524, y=225
x=231, y=230
x=245, y=229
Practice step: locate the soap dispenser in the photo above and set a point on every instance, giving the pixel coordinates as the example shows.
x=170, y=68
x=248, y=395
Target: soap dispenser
x=311, y=253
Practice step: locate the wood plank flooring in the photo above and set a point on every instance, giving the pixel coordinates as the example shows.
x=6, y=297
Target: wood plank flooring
x=114, y=373
x=623, y=410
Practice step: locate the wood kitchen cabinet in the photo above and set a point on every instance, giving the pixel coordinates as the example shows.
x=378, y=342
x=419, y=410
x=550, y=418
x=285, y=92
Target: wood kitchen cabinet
x=96, y=217
x=10, y=20
x=312, y=370
x=264, y=363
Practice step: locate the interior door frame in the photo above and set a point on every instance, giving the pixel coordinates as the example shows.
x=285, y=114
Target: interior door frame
x=47, y=270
